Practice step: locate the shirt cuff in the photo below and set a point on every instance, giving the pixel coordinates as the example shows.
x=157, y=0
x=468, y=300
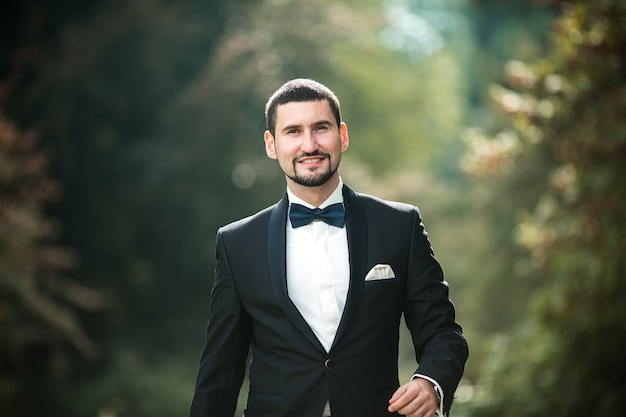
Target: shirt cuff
x=438, y=390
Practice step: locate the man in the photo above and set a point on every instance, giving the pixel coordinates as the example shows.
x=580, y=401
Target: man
x=319, y=304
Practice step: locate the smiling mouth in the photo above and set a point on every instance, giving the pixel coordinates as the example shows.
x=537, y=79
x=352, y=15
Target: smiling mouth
x=312, y=159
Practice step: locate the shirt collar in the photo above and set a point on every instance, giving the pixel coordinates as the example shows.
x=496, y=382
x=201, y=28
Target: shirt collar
x=335, y=197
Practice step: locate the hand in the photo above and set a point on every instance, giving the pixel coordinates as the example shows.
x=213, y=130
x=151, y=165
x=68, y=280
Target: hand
x=416, y=398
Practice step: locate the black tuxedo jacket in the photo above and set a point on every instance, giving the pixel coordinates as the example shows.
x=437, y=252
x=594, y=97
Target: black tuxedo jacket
x=291, y=374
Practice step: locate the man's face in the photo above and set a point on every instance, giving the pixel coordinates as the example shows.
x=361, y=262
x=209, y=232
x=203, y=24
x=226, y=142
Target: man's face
x=307, y=142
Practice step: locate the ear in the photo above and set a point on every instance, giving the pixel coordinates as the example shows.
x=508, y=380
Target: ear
x=270, y=148
x=343, y=134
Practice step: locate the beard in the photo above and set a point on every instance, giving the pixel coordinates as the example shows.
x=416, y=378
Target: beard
x=316, y=178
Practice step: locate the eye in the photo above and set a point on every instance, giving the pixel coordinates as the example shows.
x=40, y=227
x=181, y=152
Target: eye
x=321, y=127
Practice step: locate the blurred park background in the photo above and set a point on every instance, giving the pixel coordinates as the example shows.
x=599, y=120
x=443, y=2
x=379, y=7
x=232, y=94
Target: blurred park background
x=131, y=129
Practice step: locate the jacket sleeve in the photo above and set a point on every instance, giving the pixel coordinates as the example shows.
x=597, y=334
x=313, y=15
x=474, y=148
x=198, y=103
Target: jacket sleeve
x=223, y=360
x=440, y=348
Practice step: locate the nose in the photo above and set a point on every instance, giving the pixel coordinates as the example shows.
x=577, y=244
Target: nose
x=309, y=142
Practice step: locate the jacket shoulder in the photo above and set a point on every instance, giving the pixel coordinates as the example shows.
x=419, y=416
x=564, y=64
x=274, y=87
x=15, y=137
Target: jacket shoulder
x=376, y=203
x=249, y=223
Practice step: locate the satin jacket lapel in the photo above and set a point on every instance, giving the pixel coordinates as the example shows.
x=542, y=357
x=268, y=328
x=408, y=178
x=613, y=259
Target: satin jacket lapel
x=357, y=248
x=276, y=259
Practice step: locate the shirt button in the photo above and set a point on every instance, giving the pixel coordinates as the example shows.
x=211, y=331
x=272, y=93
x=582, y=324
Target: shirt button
x=329, y=364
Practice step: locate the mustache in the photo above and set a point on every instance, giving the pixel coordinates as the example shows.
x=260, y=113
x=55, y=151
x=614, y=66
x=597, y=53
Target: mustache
x=312, y=154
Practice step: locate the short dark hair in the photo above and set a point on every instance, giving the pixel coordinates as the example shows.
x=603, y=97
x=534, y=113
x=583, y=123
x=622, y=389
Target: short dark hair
x=298, y=90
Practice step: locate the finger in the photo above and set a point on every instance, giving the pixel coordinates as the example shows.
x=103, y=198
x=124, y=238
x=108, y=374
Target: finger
x=421, y=405
x=397, y=395
x=424, y=409
x=414, y=409
x=404, y=401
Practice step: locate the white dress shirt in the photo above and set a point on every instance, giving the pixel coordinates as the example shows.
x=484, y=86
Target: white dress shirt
x=318, y=270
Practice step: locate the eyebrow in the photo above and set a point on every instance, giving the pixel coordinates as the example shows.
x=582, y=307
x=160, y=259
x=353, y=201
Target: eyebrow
x=299, y=126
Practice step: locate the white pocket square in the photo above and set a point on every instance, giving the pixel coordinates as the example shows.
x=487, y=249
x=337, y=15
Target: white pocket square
x=380, y=271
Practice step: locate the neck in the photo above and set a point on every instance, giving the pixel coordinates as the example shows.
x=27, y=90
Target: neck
x=314, y=195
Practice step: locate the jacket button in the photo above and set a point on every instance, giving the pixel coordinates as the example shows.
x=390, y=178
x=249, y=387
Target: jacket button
x=329, y=364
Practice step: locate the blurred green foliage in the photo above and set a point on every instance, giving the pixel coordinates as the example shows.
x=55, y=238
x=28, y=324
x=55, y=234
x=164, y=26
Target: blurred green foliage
x=501, y=121
x=568, y=134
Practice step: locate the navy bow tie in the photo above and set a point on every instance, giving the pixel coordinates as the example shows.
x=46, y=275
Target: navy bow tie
x=301, y=215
